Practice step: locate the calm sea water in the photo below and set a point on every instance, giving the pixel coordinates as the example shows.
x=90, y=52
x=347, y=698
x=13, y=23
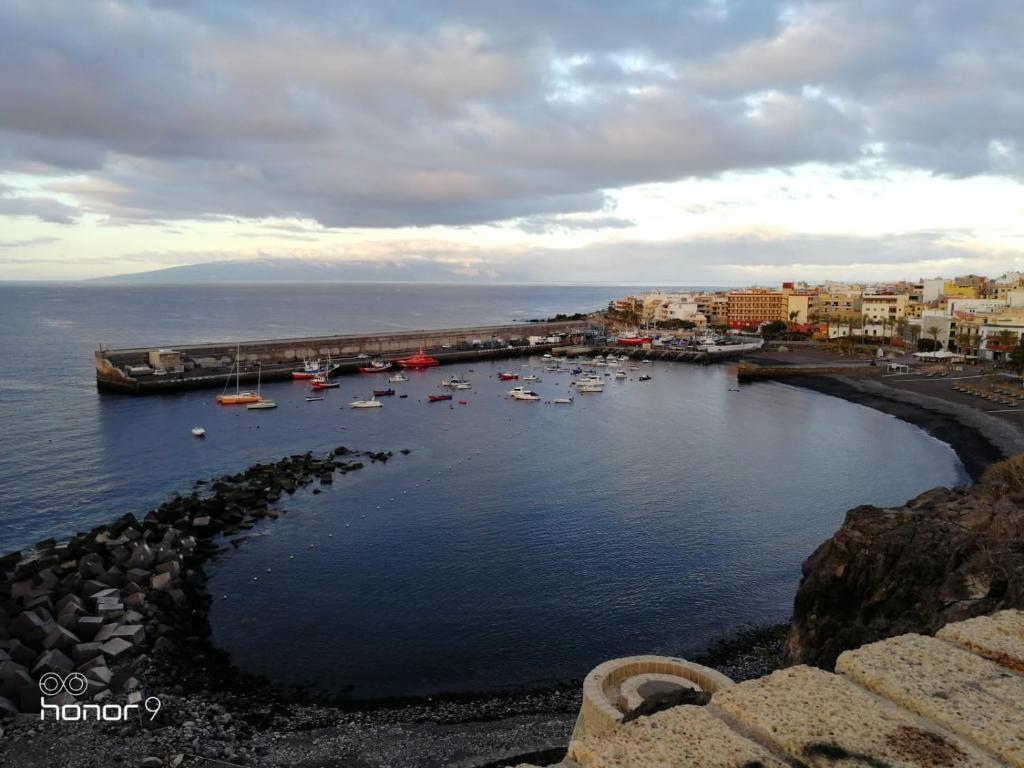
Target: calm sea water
x=516, y=543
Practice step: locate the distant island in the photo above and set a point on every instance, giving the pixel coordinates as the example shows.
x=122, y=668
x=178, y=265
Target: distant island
x=303, y=271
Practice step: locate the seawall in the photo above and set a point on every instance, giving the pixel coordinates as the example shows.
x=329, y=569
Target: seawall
x=211, y=364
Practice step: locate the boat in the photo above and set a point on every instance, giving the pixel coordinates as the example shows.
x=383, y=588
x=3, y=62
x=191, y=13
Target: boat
x=453, y=382
x=239, y=398
x=506, y=376
x=633, y=340
x=547, y=356
x=522, y=393
x=371, y=403
x=462, y=385
x=310, y=369
x=438, y=398
x=398, y=378
x=419, y=360
x=719, y=346
x=313, y=399
x=562, y=401
x=620, y=374
x=463, y=402
x=531, y=377
x=645, y=377
x=375, y=366
x=262, y=405
x=383, y=392
x=320, y=381
x=198, y=432
x=576, y=371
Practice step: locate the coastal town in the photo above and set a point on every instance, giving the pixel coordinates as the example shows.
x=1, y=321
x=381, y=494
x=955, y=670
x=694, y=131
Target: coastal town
x=971, y=317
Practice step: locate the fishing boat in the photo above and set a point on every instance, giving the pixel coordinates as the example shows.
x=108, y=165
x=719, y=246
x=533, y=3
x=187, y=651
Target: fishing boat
x=454, y=382
x=239, y=397
x=383, y=392
x=371, y=403
x=321, y=381
x=398, y=378
x=522, y=393
x=633, y=340
x=438, y=398
x=375, y=366
x=419, y=360
x=505, y=376
x=198, y=432
x=562, y=401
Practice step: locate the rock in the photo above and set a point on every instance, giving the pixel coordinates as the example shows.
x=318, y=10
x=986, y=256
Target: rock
x=152, y=762
x=115, y=647
x=87, y=626
x=52, y=661
x=946, y=556
x=82, y=652
x=106, y=632
x=133, y=633
x=160, y=581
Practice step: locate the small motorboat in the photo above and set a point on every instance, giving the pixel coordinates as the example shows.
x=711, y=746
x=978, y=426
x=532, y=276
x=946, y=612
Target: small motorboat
x=438, y=398
x=454, y=382
x=562, y=401
x=576, y=371
x=398, y=378
x=522, y=393
x=463, y=402
x=313, y=399
x=198, y=432
x=322, y=382
x=644, y=378
x=531, y=377
x=462, y=385
x=506, y=376
x=371, y=403
x=262, y=405
x=547, y=356
x=620, y=374
x=383, y=392
x=402, y=397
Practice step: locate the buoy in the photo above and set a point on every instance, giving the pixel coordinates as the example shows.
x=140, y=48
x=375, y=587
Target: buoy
x=255, y=578
x=312, y=545
x=330, y=535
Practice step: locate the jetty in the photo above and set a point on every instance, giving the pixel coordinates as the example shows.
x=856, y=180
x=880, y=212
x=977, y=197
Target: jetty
x=167, y=369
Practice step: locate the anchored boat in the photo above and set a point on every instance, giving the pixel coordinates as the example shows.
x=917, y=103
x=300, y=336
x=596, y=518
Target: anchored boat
x=438, y=398
x=375, y=366
x=419, y=360
x=198, y=432
x=371, y=403
x=522, y=393
x=239, y=398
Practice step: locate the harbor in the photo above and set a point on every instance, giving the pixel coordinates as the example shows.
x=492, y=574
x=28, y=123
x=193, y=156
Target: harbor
x=163, y=370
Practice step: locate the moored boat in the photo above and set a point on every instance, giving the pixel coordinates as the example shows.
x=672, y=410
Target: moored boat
x=239, y=397
x=419, y=360
x=262, y=405
x=506, y=376
x=633, y=340
x=371, y=403
x=375, y=366
x=562, y=401
x=398, y=378
x=522, y=393
x=438, y=398
x=198, y=432
x=383, y=392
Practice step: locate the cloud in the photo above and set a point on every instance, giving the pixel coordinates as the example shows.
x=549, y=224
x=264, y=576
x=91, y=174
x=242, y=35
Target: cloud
x=28, y=243
x=404, y=114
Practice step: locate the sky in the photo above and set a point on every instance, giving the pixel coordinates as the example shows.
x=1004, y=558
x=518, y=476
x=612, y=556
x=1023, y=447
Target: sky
x=689, y=142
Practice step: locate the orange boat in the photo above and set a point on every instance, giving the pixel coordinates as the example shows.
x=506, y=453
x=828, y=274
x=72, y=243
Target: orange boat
x=239, y=398
x=419, y=360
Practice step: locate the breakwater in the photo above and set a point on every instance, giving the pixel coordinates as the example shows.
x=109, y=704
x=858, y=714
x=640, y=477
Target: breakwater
x=159, y=370
x=86, y=608
x=751, y=372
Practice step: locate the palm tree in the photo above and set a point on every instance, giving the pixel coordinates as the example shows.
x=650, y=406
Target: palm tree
x=915, y=334
x=792, y=319
x=934, y=331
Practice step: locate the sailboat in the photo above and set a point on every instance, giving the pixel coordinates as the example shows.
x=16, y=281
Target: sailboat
x=239, y=398
x=260, y=404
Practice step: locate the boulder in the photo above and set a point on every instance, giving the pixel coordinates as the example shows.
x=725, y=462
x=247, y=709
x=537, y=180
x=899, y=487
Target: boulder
x=160, y=581
x=945, y=556
x=52, y=661
x=83, y=652
x=115, y=647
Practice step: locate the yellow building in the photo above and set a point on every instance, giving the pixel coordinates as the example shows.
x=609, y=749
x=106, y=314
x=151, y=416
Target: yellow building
x=839, y=305
x=953, y=291
x=914, y=309
x=883, y=307
x=751, y=308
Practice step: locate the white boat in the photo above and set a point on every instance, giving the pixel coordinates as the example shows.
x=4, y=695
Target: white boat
x=262, y=405
x=547, y=356
x=562, y=401
x=198, y=432
x=531, y=377
x=398, y=378
x=454, y=382
x=522, y=393
x=713, y=348
x=462, y=385
x=373, y=402
x=620, y=374
x=589, y=385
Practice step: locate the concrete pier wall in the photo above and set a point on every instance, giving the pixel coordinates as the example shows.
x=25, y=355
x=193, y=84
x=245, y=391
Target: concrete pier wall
x=211, y=364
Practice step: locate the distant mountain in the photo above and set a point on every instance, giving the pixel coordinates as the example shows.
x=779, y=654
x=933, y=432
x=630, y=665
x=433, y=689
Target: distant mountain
x=296, y=271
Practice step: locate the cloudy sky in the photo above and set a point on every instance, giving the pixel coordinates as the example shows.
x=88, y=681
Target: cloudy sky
x=686, y=142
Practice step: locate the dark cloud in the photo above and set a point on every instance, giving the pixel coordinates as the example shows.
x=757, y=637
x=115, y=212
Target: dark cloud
x=399, y=113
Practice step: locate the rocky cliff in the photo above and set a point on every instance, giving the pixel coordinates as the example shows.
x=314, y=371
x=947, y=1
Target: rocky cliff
x=945, y=556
